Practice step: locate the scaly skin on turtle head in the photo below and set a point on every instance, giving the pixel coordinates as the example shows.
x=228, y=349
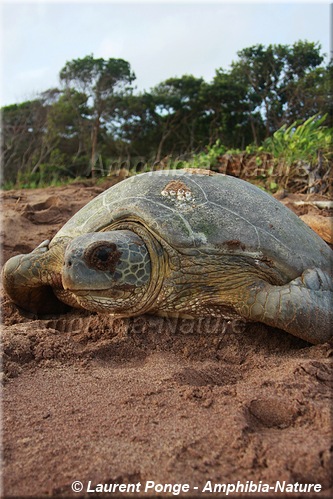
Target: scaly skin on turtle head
x=108, y=271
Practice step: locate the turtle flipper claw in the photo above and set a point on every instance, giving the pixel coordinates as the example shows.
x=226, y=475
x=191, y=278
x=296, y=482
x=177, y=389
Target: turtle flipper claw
x=317, y=279
x=44, y=246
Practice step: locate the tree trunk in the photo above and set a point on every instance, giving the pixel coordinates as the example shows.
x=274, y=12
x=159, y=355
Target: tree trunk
x=160, y=145
x=94, y=137
x=254, y=133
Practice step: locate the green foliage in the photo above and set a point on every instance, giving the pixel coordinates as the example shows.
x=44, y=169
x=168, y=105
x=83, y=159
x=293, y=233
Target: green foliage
x=208, y=158
x=97, y=77
x=95, y=120
x=301, y=141
x=291, y=155
x=277, y=79
x=103, y=83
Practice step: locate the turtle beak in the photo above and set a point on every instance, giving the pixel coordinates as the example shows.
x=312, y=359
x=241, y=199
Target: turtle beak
x=71, y=273
x=77, y=277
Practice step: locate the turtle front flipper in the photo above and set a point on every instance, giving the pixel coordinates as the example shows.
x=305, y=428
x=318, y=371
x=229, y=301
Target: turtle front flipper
x=302, y=307
x=27, y=280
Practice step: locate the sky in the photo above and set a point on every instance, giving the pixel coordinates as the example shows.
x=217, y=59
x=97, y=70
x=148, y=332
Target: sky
x=159, y=39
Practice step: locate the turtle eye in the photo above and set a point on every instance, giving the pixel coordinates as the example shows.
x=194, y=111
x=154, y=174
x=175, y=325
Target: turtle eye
x=102, y=256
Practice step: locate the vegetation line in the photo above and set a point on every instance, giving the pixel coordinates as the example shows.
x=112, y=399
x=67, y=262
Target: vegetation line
x=267, y=119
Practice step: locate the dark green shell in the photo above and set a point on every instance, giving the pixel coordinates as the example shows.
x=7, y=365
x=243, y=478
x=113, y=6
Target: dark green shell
x=209, y=214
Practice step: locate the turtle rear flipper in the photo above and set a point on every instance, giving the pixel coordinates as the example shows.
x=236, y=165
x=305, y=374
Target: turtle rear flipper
x=302, y=307
x=29, y=282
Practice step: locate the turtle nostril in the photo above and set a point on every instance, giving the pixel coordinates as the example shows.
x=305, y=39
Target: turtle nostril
x=69, y=263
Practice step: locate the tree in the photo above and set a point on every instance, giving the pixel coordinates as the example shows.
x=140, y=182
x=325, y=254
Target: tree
x=309, y=95
x=177, y=112
x=233, y=117
x=168, y=119
x=272, y=73
x=103, y=82
x=95, y=115
x=137, y=125
x=68, y=119
x=23, y=137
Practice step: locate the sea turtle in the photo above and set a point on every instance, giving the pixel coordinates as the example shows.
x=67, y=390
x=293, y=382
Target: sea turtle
x=188, y=243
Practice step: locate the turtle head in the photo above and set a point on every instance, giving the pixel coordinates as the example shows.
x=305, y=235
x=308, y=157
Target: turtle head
x=108, y=271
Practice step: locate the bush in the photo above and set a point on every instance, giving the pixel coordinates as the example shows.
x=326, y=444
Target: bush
x=301, y=142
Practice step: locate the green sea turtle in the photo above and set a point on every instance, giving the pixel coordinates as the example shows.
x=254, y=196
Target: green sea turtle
x=187, y=243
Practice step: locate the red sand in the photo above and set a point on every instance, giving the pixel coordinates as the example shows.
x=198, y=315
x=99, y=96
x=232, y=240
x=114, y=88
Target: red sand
x=90, y=398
